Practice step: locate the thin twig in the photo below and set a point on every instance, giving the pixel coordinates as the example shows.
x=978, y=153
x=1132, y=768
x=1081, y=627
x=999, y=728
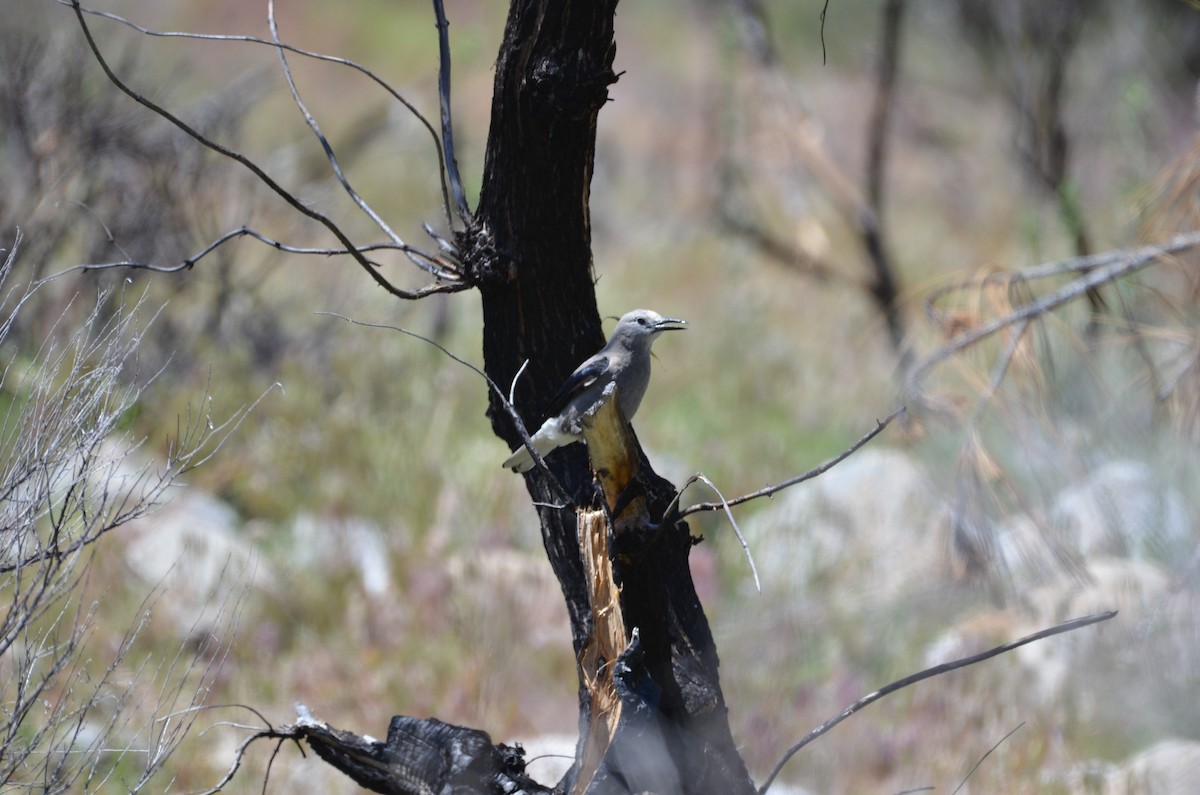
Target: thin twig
x=508, y=406
x=937, y=670
x=999, y=371
x=254, y=168
x=242, y=231
x=737, y=530
x=824, y=9
x=281, y=734
x=809, y=475
x=273, y=25
x=240, y=753
x=963, y=783
x=442, y=271
x=443, y=28
x=512, y=389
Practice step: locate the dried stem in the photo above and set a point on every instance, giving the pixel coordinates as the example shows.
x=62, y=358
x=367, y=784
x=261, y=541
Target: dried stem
x=316, y=130
x=699, y=476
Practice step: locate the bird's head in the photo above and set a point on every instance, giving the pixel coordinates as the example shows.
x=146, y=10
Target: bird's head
x=645, y=325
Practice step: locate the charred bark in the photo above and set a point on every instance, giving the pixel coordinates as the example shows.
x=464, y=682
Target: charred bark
x=422, y=757
x=530, y=249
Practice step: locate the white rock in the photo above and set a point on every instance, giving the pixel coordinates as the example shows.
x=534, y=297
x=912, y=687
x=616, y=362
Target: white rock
x=190, y=549
x=871, y=520
x=1122, y=509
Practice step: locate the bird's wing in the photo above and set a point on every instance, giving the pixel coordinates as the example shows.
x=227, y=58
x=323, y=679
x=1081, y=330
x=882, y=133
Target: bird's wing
x=584, y=377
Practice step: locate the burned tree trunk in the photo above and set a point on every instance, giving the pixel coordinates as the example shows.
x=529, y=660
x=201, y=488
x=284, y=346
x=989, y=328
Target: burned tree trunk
x=530, y=251
x=651, y=713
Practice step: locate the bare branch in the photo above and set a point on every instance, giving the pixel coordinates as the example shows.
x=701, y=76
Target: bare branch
x=988, y=753
x=396, y=95
x=999, y=371
x=443, y=28
x=279, y=190
x=72, y=714
x=937, y=670
x=809, y=475
x=269, y=733
x=1096, y=270
x=860, y=214
x=316, y=129
x=728, y=513
x=433, y=266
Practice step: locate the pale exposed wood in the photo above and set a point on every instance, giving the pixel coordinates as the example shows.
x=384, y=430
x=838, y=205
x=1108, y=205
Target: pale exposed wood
x=614, y=460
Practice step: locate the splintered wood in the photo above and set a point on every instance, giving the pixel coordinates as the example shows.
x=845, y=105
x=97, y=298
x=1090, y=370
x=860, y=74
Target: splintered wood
x=606, y=643
x=614, y=460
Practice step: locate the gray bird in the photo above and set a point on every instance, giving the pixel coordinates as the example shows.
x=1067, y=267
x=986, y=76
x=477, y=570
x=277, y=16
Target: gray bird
x=625, y=359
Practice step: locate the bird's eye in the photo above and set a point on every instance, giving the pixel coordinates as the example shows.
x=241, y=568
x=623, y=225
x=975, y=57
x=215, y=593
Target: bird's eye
x=641, y=321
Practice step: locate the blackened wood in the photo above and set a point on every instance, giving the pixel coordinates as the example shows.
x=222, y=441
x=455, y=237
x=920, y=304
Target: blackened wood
x=529, y=253
x=529, y=250
x=423, y=757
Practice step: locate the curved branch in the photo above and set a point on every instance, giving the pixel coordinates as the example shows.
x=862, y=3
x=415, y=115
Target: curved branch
x=433, y=265
x=1074, y=265
x=370, y=267
x=986, y=754
x=411, y=108
x=728, y=515
x=334, y=165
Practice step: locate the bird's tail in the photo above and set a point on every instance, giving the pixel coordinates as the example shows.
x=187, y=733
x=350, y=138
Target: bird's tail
x=520, y=461
x=544, y=440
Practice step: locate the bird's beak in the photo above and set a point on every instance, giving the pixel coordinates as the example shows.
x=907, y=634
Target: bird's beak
x=671, y=324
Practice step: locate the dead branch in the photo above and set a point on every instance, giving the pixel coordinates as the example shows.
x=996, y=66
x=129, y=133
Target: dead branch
x=350, y=64
x=334, y=165
x=69, y=477
x=355, y=253
x=281, y=734
x=859, y=213
x=986, y=754
x=699, y=476
x=937, y=670
x=451, y=162
x=809, y=475
x=418, y=757
x=245, y=231
x=1095, y=270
